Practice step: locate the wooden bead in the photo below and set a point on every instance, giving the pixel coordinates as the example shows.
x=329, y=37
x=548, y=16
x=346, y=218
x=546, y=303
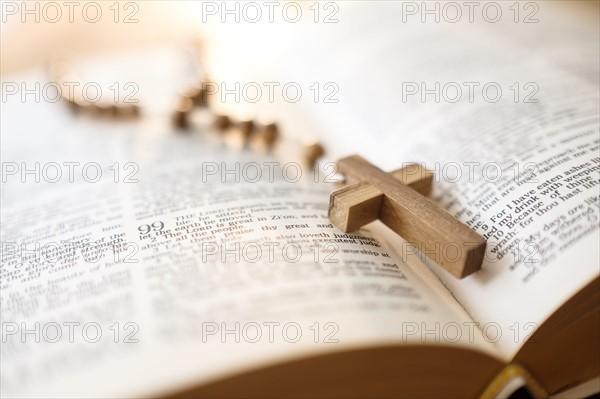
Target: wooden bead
x=136, y=110
x=222, y=122
x=312, y=152
x=270, y=134
x=180, y=117
x=239, y=135
x=247, y=128
x=180, y=120
x=114, y=111
x=198, y=95
x=201, y=98
x=264, y=139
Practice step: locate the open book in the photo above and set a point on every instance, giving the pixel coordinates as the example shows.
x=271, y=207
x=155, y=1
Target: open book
x=161, y=264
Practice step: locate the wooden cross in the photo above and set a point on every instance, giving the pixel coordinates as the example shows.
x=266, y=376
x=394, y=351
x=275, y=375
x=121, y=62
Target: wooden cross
x=399, y=200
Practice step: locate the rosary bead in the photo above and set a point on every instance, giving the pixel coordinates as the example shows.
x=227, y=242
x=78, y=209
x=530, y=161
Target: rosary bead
x=198, y=96
x=222, y=122
x=264, y=138
x=247, y=128
x=270, y=134
x=180, y=117
x=312, y=152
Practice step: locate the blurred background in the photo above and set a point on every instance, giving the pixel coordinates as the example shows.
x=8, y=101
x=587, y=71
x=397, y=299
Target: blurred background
x=29, y=40
x=310, y=50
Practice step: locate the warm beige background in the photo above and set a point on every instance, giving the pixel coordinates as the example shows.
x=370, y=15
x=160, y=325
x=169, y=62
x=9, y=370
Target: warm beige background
x=30, y=44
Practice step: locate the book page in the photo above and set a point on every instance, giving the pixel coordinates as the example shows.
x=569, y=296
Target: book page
x=503, y=108
x=137, y=261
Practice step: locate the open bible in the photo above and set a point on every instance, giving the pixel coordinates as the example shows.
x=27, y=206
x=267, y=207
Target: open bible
x=140, y=262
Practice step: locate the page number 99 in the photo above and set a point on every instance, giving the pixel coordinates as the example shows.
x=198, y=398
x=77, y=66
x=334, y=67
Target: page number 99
x=147, y=228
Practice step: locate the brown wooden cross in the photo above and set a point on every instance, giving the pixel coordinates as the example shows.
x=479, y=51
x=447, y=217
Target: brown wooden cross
x=399, y=200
